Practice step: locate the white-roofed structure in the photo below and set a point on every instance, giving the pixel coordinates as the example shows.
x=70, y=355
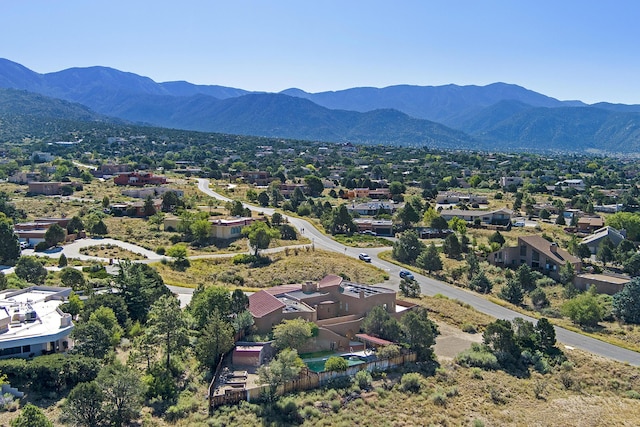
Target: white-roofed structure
x=31, y=322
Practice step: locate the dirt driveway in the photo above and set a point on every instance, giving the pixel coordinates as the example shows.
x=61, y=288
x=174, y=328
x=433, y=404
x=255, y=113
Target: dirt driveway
x=452, y=341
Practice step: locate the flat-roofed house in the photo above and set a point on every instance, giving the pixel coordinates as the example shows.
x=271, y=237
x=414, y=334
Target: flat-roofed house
x=221, y=228
x=604, y=283
x=46, y=188
x=31, y=323
x=329, y=298
x=139, y=178
x=382, y=227
x=455, y=197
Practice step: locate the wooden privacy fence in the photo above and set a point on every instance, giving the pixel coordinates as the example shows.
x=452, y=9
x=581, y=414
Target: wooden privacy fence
x=307, y=380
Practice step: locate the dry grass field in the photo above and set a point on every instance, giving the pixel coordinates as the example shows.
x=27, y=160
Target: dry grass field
x=288, y=266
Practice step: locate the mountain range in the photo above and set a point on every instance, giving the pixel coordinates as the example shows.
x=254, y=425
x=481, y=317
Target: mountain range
x=498, y=116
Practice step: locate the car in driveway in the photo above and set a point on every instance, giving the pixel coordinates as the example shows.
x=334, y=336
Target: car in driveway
x=364, y=257
x=406, y=274
x=368, y=233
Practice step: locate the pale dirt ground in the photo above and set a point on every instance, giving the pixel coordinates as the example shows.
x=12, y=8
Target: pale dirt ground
x=452, y=341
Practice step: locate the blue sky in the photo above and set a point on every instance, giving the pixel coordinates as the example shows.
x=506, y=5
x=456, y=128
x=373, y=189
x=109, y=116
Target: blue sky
x=585, y=49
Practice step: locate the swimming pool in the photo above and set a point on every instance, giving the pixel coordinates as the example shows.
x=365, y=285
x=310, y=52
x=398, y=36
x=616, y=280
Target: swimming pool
x=317, y=364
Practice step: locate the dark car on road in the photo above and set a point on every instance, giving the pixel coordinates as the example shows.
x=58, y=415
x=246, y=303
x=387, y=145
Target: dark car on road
x=405, y=274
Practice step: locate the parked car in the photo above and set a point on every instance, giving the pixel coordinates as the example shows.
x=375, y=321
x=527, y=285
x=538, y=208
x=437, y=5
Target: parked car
x=364, y=257
x=405, y=274
x=24, y=245
x=369, y=233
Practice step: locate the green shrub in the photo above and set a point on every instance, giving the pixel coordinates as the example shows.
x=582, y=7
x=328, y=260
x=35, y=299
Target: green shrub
x=411, y=382
x=310, y=412
x=187, y=403
x=388, y=352
x=160, y=250
x=478, y=357
x=476, y=373
x=244, y=259
x=53, y=372
x=546, y=281
x=632, y=394
x=336, y=364
x=287, y=409
x=231, y=278
x=363, y=379
x=41, y=246
x=439, y=398
x=469, y=328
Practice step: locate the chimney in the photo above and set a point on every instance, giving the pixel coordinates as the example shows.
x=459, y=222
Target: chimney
x=554, y=248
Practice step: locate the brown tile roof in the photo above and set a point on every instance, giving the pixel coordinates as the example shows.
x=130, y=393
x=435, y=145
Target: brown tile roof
x=262, y=303
x=543, y=246
x=329, y=281
x=283, y=289
x=372, y=339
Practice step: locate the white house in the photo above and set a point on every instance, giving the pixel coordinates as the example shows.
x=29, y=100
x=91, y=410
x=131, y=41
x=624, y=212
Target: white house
x=577, y=184
x=31, y=322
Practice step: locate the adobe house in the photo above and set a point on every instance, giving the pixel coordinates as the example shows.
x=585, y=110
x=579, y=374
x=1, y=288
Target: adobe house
x=382, y=227
x=46, y=188
x=225, y=229
x=138, y=178
x=604, y=283
x=111, y=169
x=336, y=305
x=538, y=253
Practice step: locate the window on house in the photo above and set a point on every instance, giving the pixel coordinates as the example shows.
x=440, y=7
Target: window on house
x=523, y=250
x=10, y=351
x=535, y=255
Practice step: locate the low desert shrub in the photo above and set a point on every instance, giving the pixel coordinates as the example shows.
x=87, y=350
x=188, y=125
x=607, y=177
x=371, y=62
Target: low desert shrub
x=411, y=382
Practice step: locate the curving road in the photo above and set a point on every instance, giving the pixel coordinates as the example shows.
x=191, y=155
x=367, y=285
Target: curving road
x=431, y=286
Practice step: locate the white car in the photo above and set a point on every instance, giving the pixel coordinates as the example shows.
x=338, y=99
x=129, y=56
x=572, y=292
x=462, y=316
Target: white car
x=24, y=245
x=364, y=257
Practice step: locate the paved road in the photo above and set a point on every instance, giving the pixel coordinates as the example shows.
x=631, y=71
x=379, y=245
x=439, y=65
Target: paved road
x=431, y=287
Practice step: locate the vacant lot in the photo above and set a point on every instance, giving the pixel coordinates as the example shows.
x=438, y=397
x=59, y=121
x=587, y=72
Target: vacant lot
x=288, y=266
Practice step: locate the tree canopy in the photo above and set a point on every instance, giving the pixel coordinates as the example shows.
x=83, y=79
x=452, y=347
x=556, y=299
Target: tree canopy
x=408, y=247
x=293, y=333
x=9, y=245
x=260, y=235
x=626, y=303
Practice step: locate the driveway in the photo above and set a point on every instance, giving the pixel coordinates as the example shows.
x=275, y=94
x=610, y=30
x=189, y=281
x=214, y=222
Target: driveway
x=72, y=250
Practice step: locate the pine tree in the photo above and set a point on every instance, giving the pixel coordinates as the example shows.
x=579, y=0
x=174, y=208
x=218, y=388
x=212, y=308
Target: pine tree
x=429, y=259
x=512, y=292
